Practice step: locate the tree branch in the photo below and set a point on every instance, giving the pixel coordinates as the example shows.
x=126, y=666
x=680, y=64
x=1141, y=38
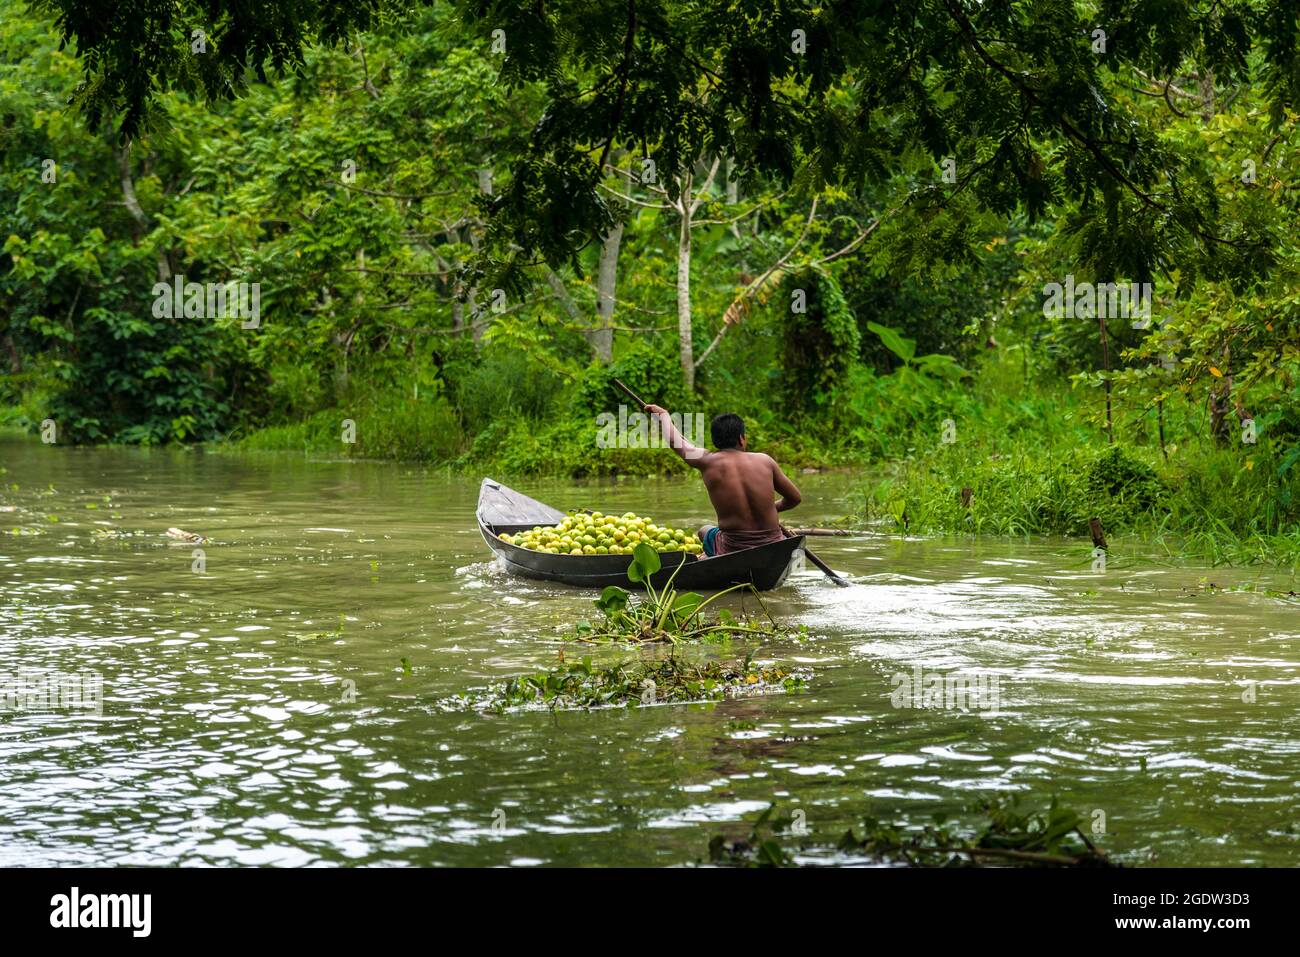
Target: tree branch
x=1071, y=131
x=757, y=283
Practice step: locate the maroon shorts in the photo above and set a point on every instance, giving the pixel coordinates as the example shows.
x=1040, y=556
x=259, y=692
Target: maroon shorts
x=717, y=542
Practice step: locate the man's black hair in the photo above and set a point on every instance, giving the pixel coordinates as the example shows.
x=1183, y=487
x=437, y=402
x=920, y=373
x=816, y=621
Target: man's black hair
x=727, y=430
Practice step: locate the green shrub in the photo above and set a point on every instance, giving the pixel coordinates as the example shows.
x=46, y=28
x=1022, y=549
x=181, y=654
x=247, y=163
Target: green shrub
x=820, y=343
x=388, y=425
x=1117, y=478
x=652, y=372
x=502, y=385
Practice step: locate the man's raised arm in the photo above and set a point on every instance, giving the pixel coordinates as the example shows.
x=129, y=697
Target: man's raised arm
x=693, y=454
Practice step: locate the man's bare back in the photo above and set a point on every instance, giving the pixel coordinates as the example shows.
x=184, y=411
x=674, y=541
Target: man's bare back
x=742, y=485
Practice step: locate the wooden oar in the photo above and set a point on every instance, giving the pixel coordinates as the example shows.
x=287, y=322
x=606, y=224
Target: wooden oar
x=785, y=531
x=830, y=572
x=630, y=394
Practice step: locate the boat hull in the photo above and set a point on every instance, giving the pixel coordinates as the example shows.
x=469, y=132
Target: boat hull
x=504, y=511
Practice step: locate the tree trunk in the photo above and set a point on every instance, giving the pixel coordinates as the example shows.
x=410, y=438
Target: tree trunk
x=15, y=360
x=477, y=317
x=1221, y=404
x=477, y=322
x=684, y=331
x=133, y=207
x=129, y=199
x=1105, y=361
x=1160, y=422
x=602, y=340
x=562, y=294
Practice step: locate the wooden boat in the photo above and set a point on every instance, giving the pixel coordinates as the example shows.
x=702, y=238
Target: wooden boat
x=503, y=510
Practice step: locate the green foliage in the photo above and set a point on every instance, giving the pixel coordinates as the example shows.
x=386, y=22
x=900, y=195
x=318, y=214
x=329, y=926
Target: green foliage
x=1051, y=838
x=674, y=679
x=820, y=342
x=502, y=385
x=1035, y=116
x=645, y=562
x=385, y=425
x=1015, y=90
x=1117, y=477
x=761, y=849
x=132, y=55
x=949, y=311
x=1008, y=837
x=563, y=445
x=1036, y=465
x=76, y=275
x=647, y=369
x=666, y=615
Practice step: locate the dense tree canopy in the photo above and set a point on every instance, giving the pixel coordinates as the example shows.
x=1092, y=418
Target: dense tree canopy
x=1022, y=96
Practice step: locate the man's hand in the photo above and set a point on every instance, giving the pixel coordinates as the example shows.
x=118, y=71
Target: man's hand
x=656, y=409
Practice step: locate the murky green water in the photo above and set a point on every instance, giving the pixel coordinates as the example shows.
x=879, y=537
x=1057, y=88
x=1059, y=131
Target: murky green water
x=228, y=733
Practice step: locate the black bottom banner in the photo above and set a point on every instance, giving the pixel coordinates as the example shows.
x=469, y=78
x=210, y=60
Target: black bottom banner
x=333, y=907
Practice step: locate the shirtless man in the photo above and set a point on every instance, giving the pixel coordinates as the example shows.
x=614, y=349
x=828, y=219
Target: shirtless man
x=742, y=485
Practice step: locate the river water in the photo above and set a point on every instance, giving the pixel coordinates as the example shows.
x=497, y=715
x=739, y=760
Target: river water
x=273, y=700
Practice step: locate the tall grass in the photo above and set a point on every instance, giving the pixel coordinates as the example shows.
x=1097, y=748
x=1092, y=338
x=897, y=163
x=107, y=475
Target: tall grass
x=1037, y=464
x=388, y=425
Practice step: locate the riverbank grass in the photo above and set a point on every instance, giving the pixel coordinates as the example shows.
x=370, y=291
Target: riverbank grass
x=1223, y=506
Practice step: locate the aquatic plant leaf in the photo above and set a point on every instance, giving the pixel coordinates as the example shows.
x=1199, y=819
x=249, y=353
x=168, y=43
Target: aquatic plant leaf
x=686, y=604
x=645, y=562
x=612, y=600
x=770, y=854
